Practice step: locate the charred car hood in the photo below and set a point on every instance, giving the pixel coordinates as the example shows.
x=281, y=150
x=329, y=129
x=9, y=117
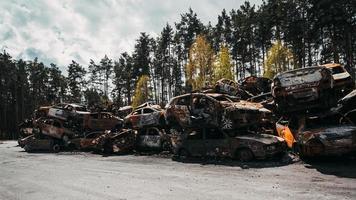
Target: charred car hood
x=261, y=138
x=245, y=105
x=331, y=133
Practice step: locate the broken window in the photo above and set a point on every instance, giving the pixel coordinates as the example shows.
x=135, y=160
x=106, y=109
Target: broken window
x=147, y=110
x=184, y=101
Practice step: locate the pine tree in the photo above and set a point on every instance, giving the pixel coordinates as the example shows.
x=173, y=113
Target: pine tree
x=76, y=82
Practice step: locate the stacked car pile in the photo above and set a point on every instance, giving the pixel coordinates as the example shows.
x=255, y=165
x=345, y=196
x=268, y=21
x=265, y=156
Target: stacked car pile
x=311, y=110
x=70, y=126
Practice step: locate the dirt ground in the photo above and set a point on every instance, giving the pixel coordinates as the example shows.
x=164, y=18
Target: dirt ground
x=77, y=175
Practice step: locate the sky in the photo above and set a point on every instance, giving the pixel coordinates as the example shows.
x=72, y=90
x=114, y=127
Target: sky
x=59, y=31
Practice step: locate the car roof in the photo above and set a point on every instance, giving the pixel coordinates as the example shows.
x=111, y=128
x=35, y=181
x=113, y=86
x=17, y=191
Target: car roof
x=300, y=69
x=331, y=65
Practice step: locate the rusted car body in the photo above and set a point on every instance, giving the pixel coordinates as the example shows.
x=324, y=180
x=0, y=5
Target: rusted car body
x=100, y=121
x=153, y=138
x=67, y=111
x=145, y=116
x=229, y=87
x=31, y=143
x=54, y=128
x=343, y=82
x=26, y=128
x=303, y=89
x=199, y=109
x=256, y=85
x=85, y=142
x=217, y=143
x=116, y=142
x=328, y=141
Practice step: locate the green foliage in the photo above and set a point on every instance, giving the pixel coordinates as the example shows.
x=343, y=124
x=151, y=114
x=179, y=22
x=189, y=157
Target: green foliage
x=200, y=64
x=223, y=65
x=142, y=93
x=279, y=59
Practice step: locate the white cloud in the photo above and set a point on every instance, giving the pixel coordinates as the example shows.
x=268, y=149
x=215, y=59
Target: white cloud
x=61, y=31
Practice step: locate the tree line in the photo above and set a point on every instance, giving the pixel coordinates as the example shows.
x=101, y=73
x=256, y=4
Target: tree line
x=251, y=40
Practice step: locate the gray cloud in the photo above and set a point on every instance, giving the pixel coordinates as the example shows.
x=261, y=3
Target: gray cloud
x=64, y=30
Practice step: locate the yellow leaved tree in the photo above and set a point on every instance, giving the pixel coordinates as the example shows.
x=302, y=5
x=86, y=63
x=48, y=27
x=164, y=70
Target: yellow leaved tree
x=141, y=92
x=199, y=68
x=223, y=64
x=279, y=59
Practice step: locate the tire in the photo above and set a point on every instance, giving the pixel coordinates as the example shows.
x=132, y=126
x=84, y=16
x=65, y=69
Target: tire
x=183, y=155
x=27, y=148
x=56, y=148
x=166, y=146
x=244, y=155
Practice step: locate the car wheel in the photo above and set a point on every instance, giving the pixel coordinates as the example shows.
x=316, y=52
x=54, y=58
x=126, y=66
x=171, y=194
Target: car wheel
x=244, y=155
x=27, y=148
x=166, y=146
x=183, y=155
x=56, y=148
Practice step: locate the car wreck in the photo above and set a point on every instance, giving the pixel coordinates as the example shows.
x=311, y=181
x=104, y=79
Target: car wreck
x=256, y=85
x=328, y=141
x=153, y=138
x=303, y=89
x=54, y=128
x=343, y=82
x=145, y=115
x=86, y=142
x=66, y=111
x=100, y=121
x=243, y=146
x=115, y=142
x=197, y=109
x=31, y=143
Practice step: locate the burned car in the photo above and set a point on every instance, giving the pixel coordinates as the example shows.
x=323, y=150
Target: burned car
x=333, y=140
x=85, y=142
x=99, y=121
x=54, y=128
x=199, y=109
x=144, y=116
x=122, y=141
x=303, y=89
x=256, y=85
x=238, y=145
x=31, y=143
x=153, y=138
x=26, y=128
x=230, y=87
x=67, y=111
x=343, y=82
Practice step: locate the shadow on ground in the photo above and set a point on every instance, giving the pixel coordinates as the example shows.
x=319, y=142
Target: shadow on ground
x=344, y=166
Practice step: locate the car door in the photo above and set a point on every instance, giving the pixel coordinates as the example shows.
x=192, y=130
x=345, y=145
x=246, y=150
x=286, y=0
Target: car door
x=194, y=143
x=56, y=129
x=93, y=122
x=149, y=116
x=182, y=110
x=150, y=138
x=216, y=143
x=105, y=121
